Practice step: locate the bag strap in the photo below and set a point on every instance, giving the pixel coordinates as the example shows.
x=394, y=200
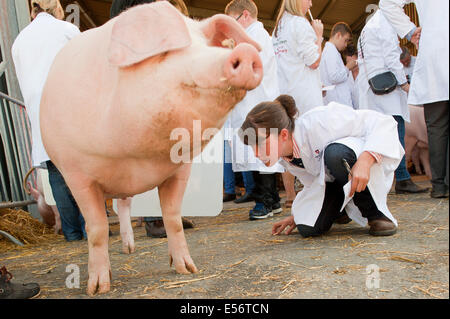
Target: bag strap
x=362, y=55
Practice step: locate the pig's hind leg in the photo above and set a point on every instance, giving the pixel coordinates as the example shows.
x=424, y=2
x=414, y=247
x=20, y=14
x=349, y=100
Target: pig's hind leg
x=91, y=201
x=126, y=231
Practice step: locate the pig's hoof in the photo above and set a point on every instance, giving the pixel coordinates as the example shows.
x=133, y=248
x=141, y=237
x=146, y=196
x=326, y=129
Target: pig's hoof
x=99, y=283
x=183, y=265
x=128, y=248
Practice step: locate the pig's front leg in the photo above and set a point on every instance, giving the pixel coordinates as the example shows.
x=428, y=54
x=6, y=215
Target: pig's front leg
x=171, y=193
x=126, y=231
x=91, y=201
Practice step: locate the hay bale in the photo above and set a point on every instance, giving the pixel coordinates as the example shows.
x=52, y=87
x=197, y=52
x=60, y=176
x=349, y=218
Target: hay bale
x=24, y=227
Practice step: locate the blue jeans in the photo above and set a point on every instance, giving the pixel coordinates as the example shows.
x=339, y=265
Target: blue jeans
x=228, y=174
x=401, y=173
x=72, y=222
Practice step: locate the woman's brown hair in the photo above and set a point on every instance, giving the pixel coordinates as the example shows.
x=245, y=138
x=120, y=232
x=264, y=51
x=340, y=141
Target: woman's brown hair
x=279, y=114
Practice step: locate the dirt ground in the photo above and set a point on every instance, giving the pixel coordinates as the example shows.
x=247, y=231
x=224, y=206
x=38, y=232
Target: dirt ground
x=239, y=258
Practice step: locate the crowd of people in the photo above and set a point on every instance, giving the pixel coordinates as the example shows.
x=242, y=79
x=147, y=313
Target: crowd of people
x=337, y=131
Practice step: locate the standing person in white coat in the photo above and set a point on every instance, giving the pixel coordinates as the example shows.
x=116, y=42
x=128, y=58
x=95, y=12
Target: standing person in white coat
x=350, y=53
x=379, y=52
x=265, y=192
x=314, y=146
x=430, y=80
x=333, y=71
x=33, y=53
x=408, y=62
x=298, y=49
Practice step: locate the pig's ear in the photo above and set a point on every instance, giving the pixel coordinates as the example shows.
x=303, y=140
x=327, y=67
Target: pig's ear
x=222, y=27
x=145, y=31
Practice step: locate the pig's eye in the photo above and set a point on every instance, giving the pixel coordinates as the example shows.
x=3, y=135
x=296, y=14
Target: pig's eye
x=229, y=43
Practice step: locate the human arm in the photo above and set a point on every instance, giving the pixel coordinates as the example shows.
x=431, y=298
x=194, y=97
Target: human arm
x=309, y=41
x=394, y=13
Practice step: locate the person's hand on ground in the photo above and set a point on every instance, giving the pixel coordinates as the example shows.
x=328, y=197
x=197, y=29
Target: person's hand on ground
x=278, y=227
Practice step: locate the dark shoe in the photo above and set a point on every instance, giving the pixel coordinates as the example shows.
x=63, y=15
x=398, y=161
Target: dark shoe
x=276, y=208
x=408, y=187
x=260, y=212
x=187, y=223
x=155, y=229
x=382, y=227
x=229, y=197
x=439, y=193
x=244, y=199
x=9, y=290
x=342, y=220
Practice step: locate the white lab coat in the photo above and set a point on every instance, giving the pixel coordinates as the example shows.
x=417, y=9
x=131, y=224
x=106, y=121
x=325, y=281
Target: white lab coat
x=381, y=50
x=361, y=130
x=334, y=72
x=351, y=82
x=295, y=49
x=243, y=157
x=410, y=69
x=430, y=81
x=33, y=53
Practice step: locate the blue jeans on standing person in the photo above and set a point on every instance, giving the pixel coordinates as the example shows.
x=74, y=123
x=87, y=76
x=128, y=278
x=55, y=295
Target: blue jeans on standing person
x=228, y=174
x=72, y=222
x=401, y=173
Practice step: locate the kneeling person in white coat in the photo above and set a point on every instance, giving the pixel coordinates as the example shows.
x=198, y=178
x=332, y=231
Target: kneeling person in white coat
x=313, y=147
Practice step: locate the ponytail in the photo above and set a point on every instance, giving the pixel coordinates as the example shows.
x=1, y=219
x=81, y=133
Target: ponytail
x=279, y=114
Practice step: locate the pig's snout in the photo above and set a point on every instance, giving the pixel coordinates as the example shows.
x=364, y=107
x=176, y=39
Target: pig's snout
x=243, y=68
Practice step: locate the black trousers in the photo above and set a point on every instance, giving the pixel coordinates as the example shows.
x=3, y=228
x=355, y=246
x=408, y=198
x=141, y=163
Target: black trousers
x=436, y=118
x=265, y=190
x=334, y=194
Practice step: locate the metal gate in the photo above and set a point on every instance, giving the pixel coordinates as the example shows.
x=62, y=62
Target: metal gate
x=15, y=132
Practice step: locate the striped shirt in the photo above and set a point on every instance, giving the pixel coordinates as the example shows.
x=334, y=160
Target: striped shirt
x=295, y=159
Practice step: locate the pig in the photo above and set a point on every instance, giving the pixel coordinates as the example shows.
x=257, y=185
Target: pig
x=416, y=140
x=114, y=94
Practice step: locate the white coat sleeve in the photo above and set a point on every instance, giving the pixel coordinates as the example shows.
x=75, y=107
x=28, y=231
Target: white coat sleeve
x=71, y=31
x=306, y=38
x=337, y=121
x=394, y=13
x=390, y=47
x=335, y=68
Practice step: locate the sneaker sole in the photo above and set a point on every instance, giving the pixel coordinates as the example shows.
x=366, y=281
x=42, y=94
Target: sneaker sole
x=277, y=211
x=261, y=217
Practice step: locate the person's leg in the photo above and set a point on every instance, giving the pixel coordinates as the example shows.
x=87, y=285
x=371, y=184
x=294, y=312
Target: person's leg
x=332, y=203
x=436, y=119
x=334, y=153
x=401, y=173
x=72, y=222
x=403, y=182
x=262, y=197
x=228, y=174
x=249, y=182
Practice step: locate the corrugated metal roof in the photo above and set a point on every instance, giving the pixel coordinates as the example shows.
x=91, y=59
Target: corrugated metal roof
x=354, y=12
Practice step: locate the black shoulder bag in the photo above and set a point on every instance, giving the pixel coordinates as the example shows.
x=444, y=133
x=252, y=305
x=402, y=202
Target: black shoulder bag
x=382, y=83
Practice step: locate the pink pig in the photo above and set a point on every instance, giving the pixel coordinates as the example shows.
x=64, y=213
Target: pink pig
x=416, y=140
x=112, y=98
